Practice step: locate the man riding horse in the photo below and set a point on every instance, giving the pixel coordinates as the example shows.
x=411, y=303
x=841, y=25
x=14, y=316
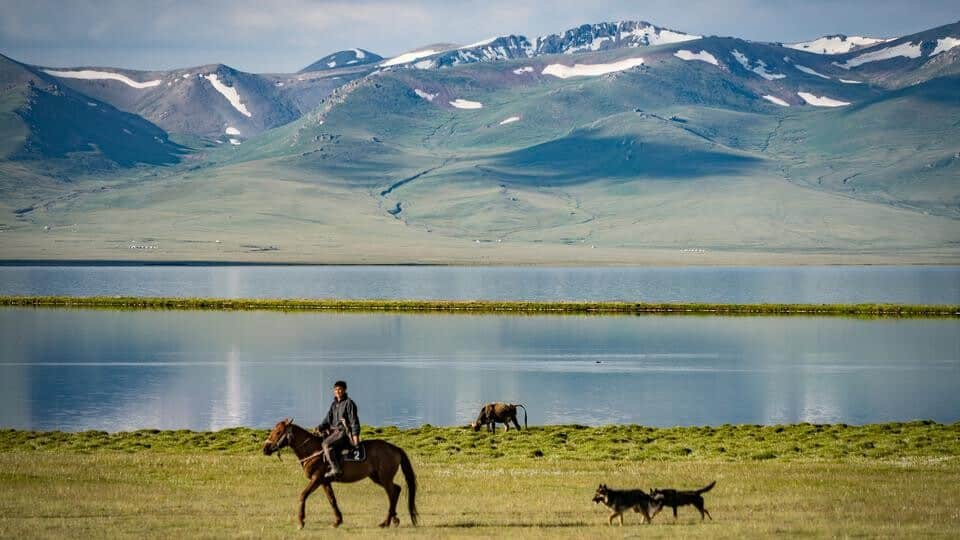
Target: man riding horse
x=340, y=425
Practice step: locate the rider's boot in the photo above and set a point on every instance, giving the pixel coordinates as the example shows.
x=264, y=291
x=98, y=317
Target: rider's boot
x=335, y=469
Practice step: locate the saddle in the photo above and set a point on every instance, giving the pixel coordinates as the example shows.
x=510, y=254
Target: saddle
x=354, y=453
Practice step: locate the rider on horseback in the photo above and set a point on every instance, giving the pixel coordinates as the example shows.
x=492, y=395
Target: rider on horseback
x=340, y=425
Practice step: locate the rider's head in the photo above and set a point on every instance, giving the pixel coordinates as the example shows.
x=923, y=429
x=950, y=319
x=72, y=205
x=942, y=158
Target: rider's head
x=339, y=390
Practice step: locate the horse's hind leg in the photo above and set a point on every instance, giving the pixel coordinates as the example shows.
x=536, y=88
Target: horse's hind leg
x=314, y=482
x=328, y=489
x=393, y=494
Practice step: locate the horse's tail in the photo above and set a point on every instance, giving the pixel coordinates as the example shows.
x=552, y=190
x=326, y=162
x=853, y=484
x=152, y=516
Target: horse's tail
x=524, y=415
x=411, y=479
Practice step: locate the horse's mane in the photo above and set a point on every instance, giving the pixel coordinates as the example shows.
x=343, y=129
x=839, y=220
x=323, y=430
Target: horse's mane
x=304, y=430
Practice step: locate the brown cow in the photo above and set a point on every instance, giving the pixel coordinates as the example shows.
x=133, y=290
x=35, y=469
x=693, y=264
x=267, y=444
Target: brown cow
x=491, y=413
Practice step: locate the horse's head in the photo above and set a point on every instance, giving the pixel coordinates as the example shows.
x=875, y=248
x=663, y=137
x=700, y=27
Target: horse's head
x=279, y=436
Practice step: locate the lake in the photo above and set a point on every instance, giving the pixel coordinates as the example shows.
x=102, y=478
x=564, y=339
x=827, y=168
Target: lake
x=807, y=284
x=121, y=370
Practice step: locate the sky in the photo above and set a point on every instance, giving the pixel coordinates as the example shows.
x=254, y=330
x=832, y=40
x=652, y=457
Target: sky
x=285, y=36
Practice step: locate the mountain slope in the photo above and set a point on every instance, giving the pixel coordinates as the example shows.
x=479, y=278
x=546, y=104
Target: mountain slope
x=44, y=121
x=907, y=60
x=214, y=101
x=899, y=148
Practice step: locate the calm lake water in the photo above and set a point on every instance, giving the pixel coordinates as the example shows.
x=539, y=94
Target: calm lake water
x=833, y=284
x=112, y=370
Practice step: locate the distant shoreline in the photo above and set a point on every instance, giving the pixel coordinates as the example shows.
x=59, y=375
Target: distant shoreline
x=481, y=306
x=451, y=264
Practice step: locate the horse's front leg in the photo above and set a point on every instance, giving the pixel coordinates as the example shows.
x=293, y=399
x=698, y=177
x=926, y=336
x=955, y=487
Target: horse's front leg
x=314, y=482
x=328, y=489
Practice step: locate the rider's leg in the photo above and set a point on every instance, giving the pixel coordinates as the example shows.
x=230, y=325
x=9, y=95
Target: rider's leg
x=330, y=446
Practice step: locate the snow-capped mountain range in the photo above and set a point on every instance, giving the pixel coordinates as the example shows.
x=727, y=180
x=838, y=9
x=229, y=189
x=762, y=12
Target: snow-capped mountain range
x=225, y=105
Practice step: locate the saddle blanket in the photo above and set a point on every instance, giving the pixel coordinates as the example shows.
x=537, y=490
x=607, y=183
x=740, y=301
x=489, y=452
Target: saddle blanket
x=351, y=453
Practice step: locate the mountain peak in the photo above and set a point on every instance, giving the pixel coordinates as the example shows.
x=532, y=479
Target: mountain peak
x=343, y=59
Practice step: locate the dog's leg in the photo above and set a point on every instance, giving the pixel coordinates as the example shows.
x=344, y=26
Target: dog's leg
x=610, y=519
x=674, y=512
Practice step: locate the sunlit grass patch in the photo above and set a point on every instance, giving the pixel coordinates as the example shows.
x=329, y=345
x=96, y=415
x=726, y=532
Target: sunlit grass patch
x=563, y=442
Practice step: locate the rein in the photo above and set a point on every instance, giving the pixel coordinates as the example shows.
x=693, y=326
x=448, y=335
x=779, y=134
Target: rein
x=286, y=437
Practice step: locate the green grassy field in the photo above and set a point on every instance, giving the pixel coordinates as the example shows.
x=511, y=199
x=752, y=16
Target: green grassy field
x=482, y=306
x=895, y=479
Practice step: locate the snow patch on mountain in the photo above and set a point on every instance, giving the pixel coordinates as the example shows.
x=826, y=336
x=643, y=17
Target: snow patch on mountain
x=466, y=104
x=760, y=69
x=524, y=69
x=590, y=70
x=359, y=54
x=425, y=64
x=232, y=131
x=479, y=43
x=810, y=71
x=848, y=81
x=510, y=120
x=90, y=74
x=703, y=56
x=406, y=58
x=228, y=92
x=944, y=45
x=835, y=44
x=776, y=100
x=907, y=50
x=425, y=95
x=821, y=101
x=656, y=36
x=235, y=142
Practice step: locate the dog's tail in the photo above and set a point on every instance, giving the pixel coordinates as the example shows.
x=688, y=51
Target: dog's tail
x=524, y=415
x=707, y=488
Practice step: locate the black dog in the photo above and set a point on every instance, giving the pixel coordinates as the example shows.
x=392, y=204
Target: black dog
x=675, y=498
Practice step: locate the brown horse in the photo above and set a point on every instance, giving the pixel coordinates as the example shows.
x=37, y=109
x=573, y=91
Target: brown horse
x=381, y=464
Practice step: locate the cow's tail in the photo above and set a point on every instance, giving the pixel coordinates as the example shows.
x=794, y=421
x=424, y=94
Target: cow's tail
x=524, y=415
x=411, y=479
x=707, y=488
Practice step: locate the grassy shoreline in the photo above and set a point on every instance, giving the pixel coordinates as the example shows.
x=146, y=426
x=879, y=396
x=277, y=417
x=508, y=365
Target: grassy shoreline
x=482, y=306
x=743, y=442
x=880, y=480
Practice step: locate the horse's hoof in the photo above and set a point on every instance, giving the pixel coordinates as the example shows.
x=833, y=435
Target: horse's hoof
x=336, y=524
x=396, y=521
x=384, y=524
x=300, y=527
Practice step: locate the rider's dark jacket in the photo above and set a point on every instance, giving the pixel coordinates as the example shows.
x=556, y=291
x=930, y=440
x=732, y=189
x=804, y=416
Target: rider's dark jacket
x=344, y=409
